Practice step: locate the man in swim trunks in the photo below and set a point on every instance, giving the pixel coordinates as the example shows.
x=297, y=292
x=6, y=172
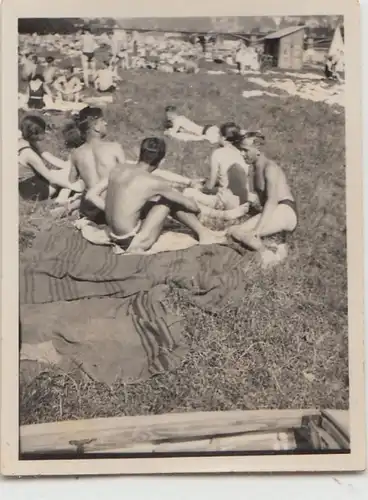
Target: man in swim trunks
x=176, y=123
x=93, y=158
x=278, y=207
x=89, y=47
x=138, y=203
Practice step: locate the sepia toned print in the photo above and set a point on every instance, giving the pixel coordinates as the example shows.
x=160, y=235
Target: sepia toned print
x=183, y=233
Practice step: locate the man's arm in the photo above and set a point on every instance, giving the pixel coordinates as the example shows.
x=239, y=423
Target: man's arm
x=170, y=194
x=271, y=178
x=211, y=182
x=52, y=177
x=120, y=155
x=54, y=161
x=94, y=194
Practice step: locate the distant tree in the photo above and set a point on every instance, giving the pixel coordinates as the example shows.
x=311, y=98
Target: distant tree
x=47, y=25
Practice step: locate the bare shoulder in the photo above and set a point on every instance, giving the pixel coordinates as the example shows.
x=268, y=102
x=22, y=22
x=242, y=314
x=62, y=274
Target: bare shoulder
x=271, y=168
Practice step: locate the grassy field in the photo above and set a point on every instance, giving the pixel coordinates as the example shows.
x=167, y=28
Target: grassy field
x=286, y=345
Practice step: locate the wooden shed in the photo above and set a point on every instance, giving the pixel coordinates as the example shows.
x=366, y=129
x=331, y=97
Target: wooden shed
x=286, y=46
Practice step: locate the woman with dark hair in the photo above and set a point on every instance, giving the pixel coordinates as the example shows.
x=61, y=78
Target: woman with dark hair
x=36, y=91
x=226, y=193
x=45, y=182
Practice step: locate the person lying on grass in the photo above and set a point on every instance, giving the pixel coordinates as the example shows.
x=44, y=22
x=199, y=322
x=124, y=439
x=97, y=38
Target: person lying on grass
x=227, y=188
x=68, y=85
x=278, y=211
x=137, y=203
x=180, y=127
x=45, y=183
x=105, y=79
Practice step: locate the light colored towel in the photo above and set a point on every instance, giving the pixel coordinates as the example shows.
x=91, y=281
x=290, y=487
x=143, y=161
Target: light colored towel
x=257, y=93
x=169, y=241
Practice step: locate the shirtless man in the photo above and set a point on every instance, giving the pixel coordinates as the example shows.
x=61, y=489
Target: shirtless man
x=94, y=158
x=278, y=208
x=138, y=203
x=89, y=47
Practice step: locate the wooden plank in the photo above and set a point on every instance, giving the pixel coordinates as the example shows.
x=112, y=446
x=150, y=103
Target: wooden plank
x=336, y=423
x=244, y=442
x=99, y=435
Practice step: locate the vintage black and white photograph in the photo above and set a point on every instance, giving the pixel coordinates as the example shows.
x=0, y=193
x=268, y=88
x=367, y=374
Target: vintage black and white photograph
x=183, y=272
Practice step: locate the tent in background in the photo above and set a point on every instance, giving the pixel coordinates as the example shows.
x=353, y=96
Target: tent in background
x=337, y=48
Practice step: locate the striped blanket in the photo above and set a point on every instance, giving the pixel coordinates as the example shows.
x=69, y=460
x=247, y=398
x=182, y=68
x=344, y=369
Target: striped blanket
x=82, y=306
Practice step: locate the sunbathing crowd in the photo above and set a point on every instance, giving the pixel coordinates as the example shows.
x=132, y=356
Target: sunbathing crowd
x=134, y=198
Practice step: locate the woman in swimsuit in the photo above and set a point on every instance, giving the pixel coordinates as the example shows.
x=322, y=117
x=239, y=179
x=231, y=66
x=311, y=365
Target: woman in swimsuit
x=36, y=91
x=44, y=183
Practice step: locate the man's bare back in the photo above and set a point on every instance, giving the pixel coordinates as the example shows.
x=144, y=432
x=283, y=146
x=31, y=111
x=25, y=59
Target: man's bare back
x=95, y=160
x=128, y=191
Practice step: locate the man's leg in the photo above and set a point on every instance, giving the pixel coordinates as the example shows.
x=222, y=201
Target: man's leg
x=205, y=236
x=151, y=228
x=283, y=219
x=85, y=70
x=210, y=200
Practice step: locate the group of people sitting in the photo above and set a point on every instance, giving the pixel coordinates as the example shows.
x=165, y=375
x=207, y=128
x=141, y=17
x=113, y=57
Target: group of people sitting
x=135, y=197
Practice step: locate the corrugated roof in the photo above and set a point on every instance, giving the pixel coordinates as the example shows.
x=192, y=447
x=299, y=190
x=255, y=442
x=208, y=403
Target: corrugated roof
x=284, y=32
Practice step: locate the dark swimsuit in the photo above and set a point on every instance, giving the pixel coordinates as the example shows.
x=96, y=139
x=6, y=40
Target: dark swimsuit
x=91, y=212
x=293, y=206
x=35, y=187
x=206, y=128
x=89, y=55
x=35, y=100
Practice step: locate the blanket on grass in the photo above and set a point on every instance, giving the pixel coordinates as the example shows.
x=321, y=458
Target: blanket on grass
x=83, y=307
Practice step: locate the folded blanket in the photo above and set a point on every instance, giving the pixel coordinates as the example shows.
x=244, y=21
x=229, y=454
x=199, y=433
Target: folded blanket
x=167, y=242
x=107, y=339
x=83, y=307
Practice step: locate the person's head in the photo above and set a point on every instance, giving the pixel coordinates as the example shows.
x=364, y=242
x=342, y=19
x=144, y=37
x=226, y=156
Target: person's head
x=34, y=59
x=50, y=60
x=230, y=133
x=33, y=128
x=37, y=78
x=106, y=63
x=171, y=112
x=250, y=152
x=152, y=151
x=72, y=135
x=70, y=71
x=91, y=122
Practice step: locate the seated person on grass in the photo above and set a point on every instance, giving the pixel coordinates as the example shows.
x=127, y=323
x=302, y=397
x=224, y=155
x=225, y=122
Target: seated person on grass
x=68, y=85
x=178, y=126
x=45, y=183
x=105, y=79
x=217, y=193
x=278, y=212
x=137, y=203
x=93, y=157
